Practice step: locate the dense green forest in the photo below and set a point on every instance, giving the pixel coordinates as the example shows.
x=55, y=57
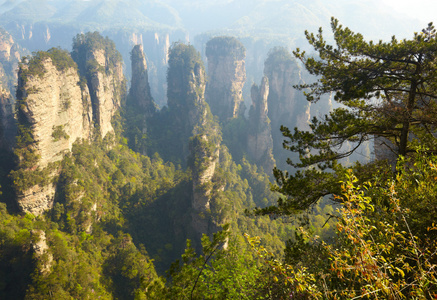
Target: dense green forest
x=138, y=213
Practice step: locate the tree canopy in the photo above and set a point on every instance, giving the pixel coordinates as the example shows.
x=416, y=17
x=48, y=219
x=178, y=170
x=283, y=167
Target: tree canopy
x=385, y=91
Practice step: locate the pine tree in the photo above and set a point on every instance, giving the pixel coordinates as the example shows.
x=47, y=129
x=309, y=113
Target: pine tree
x=386, y=90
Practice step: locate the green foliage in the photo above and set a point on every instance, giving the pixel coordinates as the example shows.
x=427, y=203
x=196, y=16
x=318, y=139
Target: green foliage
x=385, y=246
x=185, y=71
x=73, y=268
x=27, y=173
x=219, y=273
x=61, y=59
x=16, y=262
x=135, y=125
x=281, y=280
x=225, y=46
x=59, y=133
x=385, y=89
x=203, y=152
x=90, y=254
x=130, y=274
x=93, y=41
x=278, y=57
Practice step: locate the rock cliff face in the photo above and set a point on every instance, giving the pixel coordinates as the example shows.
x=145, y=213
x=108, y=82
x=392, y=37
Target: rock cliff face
x=193, y=121
x=44, y=35
x=59, y=102
x=53, y=105
x=140, y=106
x=53, y=113
x=104, y=91
x=9, y=57
x=139, y=93
x=186, y=93
x=205, y=156
x=7, y=121
x=156, y=45
x=102, y=66
x=227, y=75
x=287, y=106
x=259, y=140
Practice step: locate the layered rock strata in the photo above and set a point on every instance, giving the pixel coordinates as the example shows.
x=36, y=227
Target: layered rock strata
x=53, y=114
x=102, y=66
x=59, y=102
x=53, y=105
x=226, y=77
x=259, y=140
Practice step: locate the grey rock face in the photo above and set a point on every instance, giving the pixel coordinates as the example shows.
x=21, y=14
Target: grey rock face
x=287, y=106
x=259, y=140
x=226, y=76
x=52, y=106
x=9, y=58
x=139, y=93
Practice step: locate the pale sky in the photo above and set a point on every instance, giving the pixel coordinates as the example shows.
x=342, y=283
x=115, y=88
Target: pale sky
x=423, y=10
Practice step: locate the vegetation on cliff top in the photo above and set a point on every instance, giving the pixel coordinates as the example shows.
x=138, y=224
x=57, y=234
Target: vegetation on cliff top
x=60, y=58
x=93, y=41
x=225, y=46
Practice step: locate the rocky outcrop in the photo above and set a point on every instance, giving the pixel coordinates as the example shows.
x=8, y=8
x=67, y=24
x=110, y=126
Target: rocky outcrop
x=8, y=49
x=192, y=121
x=52, y=104
x=7, y=120
x=287, y=106
x=42, y=251
x=205, y=155
x=102, y=66
x=139, y=93
x=9, y=57
x=259, y=139
x=226, y=77
x=156, y=45
x=53, y=113
x=105, y=91
x=59, y=102
x=186, y=94
x=140, y=106
x=37, y=198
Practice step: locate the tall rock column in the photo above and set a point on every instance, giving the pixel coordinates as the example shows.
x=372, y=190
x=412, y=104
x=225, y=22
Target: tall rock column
x=139, y=93
x=186, y=94
x=194, y=127
x=287, y=106
x=226, y=77
x=259, y=140
x=9, y=57
x=7, y=121
x=139, y=105
x=102, y=66
x=51, y=117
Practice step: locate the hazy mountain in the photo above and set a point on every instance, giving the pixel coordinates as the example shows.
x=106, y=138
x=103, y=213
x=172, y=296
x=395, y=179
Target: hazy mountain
x=241, y=17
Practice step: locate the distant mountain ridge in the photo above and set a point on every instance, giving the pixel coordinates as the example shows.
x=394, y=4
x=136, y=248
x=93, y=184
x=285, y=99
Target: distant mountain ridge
x=241, y=17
